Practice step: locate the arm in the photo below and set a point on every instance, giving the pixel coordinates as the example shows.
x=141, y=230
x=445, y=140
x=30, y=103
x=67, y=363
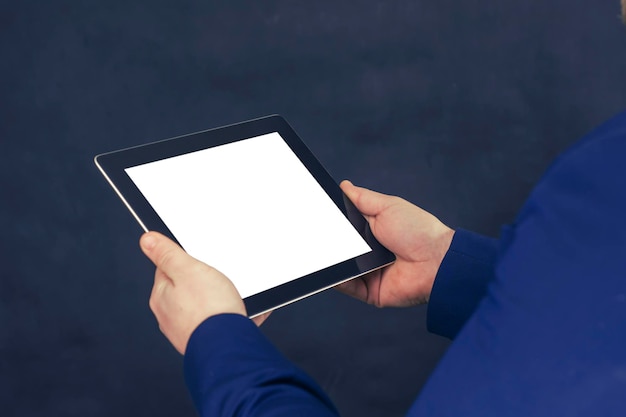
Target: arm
x=230, y=368
x=548, y=337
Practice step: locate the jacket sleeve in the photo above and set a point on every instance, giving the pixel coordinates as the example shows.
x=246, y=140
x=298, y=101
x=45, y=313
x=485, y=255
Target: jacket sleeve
x=548, y=337
x=461, y=282
x=231, y=369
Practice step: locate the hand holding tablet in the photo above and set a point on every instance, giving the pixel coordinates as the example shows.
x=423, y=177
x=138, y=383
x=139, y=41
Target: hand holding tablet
x=252, y=201
x=186, y=291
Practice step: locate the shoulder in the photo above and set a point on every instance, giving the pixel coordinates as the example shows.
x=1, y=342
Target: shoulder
x=581, y=199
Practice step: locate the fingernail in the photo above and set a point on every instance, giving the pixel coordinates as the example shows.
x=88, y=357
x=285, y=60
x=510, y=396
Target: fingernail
x=148, y=241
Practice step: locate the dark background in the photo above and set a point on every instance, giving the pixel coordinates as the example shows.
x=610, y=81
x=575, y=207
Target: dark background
x=456, y=105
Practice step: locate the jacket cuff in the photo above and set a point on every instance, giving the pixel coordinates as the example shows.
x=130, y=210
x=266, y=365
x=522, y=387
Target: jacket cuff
x=461, y=282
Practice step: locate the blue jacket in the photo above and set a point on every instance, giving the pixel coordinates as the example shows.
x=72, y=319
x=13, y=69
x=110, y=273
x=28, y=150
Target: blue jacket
x=538, y=317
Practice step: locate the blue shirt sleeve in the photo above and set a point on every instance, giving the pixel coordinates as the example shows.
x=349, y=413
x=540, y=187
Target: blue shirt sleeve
x=549, y=337
x=231, y=369
x=461, y=282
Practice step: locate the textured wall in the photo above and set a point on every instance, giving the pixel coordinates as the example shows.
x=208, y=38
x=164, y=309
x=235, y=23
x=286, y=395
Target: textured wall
x=457, y=105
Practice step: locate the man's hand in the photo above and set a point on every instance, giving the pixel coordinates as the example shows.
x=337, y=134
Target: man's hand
x=186, y=291
x=417, y=238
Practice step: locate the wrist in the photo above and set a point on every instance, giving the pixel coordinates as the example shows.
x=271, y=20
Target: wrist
x=443, y=241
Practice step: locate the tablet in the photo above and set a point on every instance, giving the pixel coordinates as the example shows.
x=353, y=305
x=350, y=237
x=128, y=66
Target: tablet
x=252, y=201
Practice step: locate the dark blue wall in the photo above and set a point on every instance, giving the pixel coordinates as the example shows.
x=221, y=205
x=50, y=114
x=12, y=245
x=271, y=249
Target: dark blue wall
x=457, y=105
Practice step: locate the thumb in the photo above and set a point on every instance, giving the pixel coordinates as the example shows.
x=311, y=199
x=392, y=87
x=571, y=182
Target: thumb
x=166, y=255
x=369, y=202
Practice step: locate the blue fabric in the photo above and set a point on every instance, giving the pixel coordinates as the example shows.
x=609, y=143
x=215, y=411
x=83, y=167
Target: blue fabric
x=549, y=338
x=542, y=332
x=231, y=369
x=461, y=282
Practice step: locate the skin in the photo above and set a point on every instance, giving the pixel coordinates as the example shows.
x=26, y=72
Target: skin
x=417, y=238
x=186, y=291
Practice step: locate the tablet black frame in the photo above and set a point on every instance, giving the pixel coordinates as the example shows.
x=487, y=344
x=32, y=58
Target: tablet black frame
x=112, y=166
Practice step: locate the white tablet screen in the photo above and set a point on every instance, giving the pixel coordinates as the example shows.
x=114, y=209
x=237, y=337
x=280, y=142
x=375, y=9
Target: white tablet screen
x=250, y=209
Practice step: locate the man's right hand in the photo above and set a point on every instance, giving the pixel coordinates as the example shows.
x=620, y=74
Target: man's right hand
x=417, y=238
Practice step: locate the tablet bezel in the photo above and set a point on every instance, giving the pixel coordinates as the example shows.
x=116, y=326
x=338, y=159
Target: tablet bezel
x=113, y=165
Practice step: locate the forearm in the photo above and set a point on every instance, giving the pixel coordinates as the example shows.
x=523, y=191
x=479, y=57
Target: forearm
x=231, y=369
x=461, y=282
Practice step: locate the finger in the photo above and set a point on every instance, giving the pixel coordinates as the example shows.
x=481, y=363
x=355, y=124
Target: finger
x=354, y=288
x=258, y=320
x=166, y=254
x=369, y=202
